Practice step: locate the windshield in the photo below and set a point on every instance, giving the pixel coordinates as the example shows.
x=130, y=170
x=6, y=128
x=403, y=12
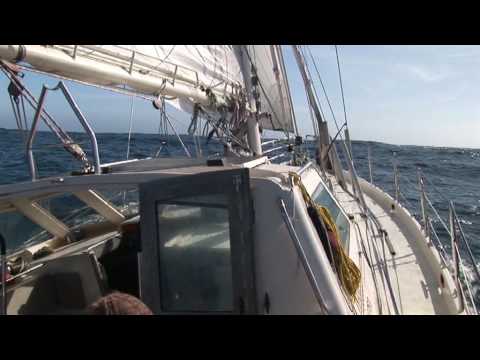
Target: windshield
x=20, y=232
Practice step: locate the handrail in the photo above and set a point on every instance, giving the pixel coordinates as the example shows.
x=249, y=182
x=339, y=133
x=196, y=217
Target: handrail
x=278, y=156
x=423, y=205
x=81, y=118
x=469, y=288
x=303, y=256
x=305, y=168
x=455, y=231
x=270, y=142
x=275, y=149
x=462, y=236
x=370, y=163
x=395, y=177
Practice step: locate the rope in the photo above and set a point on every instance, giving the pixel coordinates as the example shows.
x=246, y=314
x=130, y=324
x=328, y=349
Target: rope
x=348, y=272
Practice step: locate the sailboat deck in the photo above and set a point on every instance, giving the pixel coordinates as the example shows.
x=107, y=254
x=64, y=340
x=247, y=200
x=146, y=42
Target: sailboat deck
x=412, y=281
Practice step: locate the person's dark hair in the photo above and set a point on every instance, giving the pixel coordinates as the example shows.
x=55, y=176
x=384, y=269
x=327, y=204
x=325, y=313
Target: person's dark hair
x=118, y=303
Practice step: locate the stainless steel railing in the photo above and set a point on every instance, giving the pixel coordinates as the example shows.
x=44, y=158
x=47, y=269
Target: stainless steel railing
x=83, y=121
x=460, y=254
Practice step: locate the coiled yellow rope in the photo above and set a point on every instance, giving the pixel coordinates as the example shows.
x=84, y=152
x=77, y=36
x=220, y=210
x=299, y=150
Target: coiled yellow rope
x=348, y=272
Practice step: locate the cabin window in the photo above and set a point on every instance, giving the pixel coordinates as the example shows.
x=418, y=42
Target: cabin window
x=322, y=197
x=126, y=201
x=20, y=231
x=194, y=254
x=70, y=210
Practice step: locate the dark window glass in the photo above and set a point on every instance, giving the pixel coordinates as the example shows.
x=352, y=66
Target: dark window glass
x=19, y=231
x=195, y=260
x=323, y=198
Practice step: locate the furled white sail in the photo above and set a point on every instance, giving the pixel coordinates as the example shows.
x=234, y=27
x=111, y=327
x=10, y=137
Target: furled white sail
x=116, y=66
x=182, y=73
x=273, y=85
x=215, y=65
x=211, y=66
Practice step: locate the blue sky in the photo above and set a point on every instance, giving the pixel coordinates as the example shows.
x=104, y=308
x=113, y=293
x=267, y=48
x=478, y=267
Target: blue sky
x=413, y=95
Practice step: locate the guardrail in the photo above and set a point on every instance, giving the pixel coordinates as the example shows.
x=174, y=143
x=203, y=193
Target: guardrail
x=459, y=244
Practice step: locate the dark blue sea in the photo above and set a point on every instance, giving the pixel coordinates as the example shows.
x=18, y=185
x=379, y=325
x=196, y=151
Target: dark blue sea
x=451, y=173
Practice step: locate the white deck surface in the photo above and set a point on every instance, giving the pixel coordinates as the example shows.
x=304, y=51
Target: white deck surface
x=413, y=282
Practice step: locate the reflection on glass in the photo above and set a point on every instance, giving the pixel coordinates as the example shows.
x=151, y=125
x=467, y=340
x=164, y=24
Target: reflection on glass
x=323, y=198
x=126, y=201
x=20, y=231
x=71, y=210
x=195, y=265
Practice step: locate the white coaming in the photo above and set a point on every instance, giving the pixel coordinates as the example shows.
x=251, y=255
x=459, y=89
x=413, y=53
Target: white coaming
x=278, y=269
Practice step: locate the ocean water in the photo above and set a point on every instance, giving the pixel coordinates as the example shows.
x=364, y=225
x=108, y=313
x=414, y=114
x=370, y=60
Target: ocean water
x=452, y=173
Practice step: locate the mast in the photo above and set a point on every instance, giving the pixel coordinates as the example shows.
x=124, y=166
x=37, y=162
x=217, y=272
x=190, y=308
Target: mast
x=250, y=79
x=323, y=138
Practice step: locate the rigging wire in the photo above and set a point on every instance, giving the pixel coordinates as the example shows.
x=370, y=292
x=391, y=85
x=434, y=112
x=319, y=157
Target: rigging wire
x=286, y=133
x=344, y=149
x=168, y=118
x=323, y=88
x=165, y=58
x=311, y=83
x=370, y=265
x=130, y=126
x=341, y=85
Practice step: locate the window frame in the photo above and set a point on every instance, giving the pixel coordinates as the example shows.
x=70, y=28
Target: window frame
x=342, y=211
x=235, y=186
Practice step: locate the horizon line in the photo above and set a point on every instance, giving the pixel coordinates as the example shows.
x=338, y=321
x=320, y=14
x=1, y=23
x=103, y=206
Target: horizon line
x=359, y=140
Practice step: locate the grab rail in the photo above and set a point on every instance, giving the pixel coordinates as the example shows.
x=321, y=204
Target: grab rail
x=453, y=261
x=302, y=256
x=81, y=118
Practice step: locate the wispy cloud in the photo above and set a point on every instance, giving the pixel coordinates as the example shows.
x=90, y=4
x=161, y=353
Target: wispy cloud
x=427, y=74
